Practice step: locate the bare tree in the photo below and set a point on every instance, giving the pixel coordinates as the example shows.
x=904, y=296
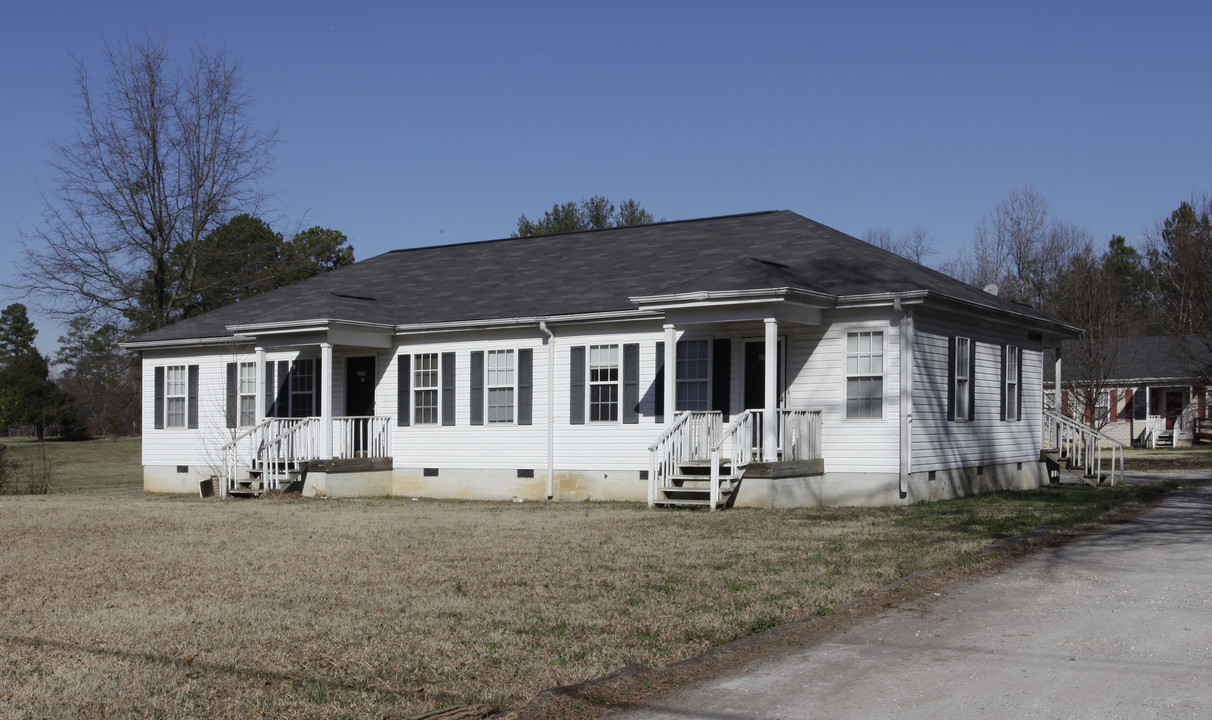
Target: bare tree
x=1022, y=249
x=916, y=244
x=163, y=155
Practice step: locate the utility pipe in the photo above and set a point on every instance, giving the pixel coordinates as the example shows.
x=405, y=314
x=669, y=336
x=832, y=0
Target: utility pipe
x=906, y=382
x=550, y=342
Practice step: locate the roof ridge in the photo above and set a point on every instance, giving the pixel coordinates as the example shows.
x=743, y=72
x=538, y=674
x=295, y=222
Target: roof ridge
x=467, y=243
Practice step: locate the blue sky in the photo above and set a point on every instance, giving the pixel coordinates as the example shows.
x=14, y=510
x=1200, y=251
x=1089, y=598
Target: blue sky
x=406, y=124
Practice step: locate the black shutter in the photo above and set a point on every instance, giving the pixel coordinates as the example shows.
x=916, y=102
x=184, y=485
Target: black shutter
x=721, y=375
x=658, y=384
x=631, y=383
x=448, y=388
x=971, y=380
x=1019, y=386
x=282, y=406
x=576, y=385
x=191, y=402
x=525, y=386
x=951, y=378
x=232, y=378
x=318, y=390
x=476, y=387
x=158, y=392
x=1002, y=382
x=268, y=390
x=403, y=388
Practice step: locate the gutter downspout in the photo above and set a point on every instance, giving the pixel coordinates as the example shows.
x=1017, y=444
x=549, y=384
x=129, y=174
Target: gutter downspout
x=906, y=368
x=550, y=342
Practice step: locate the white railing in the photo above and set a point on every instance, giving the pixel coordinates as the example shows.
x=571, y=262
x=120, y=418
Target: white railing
x=1082, y=446
x=278, y=446
x=690, y=437
x=798, y=438
x=361, y=437
x=799, y=434
x=1154, y=424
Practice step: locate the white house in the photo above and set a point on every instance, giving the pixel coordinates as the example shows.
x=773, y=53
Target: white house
x=1151, y=390
x=812, y=367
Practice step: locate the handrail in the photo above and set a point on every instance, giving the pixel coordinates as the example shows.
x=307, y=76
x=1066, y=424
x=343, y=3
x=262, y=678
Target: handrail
x=1081, y=445
x=690, y=437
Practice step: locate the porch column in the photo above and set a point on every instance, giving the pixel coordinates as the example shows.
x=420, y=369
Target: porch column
x=671, y=373
x=770, y=417
x=326, y=371
x=1060, y=399
x=260, y=372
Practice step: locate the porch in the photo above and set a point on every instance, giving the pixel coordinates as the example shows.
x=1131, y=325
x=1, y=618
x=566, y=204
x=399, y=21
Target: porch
x=698, y=461
x=278, y=452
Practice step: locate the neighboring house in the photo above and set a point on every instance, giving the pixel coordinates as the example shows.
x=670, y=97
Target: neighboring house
x=1150, y=391
x=610, y=365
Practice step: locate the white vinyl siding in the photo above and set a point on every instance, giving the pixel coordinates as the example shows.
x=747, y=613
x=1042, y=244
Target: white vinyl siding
x=938, y=444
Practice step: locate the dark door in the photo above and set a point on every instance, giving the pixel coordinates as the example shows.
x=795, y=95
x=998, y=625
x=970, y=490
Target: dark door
x=1174, y=408
x=360, y=398
x=755, y=374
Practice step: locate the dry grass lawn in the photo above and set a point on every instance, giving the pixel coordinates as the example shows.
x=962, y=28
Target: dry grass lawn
x=119, y=605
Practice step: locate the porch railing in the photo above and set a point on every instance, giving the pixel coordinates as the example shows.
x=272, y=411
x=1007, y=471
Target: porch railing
x=276, y=447
x=1082, y=446
x=690, y=437
x=361, y=437
x=701, y=436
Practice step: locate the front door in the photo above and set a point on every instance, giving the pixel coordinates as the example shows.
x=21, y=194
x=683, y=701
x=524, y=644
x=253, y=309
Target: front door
x=1174, y=408
x=360, y=398
x=755, y=374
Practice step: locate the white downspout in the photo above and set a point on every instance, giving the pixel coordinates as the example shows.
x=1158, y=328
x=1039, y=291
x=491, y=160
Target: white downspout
x=550, y=342
x=906, y=368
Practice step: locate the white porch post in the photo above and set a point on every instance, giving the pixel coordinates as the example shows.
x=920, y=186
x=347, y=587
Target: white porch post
x=671, y=373
x=1060, y=397
x=770, y=421
x=260, y=371
x=326, y=371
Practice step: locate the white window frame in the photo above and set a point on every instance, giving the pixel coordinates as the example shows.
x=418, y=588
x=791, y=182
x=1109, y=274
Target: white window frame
x=422, y=411
x=500, y=382
x=246, y=394
x=297, y=389
x=176, y=390
x=962, y=379
x=1014, y=356
x=685, y=381
x=858, y=366
x=611, y=385
x=1101, y=412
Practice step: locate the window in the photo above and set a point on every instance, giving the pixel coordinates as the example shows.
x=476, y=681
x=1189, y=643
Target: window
x=174, y=396
x=1010, y=377
x=500, y=386
x=248, y=394
x=963, y=378
x=425, y=389
x=692, y=375
x=303, y=388
x=865, y=374
x=603, y=383
x=1102, y=405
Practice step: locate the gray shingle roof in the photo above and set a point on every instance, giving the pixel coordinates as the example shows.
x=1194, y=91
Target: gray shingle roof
x=1155, y=358
x=593, y=271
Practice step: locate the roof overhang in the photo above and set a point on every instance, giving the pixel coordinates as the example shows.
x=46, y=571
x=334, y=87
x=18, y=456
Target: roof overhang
x=783, y=304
